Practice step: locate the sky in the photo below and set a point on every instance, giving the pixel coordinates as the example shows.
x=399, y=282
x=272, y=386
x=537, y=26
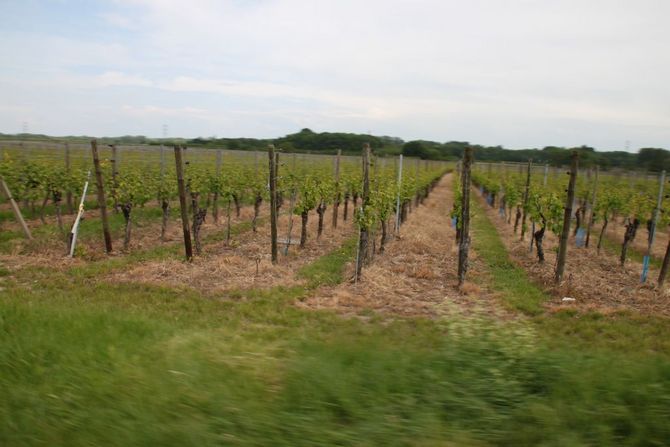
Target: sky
x=516, y=73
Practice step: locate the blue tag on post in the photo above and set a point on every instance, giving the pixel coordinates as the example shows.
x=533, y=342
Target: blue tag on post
x=645, y=268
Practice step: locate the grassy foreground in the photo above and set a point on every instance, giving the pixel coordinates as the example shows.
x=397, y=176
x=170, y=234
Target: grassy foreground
x=84, y=362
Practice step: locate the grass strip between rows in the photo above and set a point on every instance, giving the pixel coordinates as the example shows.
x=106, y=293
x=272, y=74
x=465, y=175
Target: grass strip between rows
x=518, y=290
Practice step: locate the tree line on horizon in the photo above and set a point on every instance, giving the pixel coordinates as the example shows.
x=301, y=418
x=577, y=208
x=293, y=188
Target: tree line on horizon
x=307, y=141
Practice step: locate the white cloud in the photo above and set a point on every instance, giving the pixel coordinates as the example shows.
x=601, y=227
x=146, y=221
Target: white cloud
x=116, y=78
x=360, y=106
x=517, y=73
x=118, y=20
x=151, y=110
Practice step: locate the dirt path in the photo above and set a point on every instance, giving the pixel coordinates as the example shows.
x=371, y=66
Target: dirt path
x=595, y=281
x=417, y=273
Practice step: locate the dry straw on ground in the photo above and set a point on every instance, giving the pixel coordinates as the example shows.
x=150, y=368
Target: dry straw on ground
x=417, y=273
x=244, y=263
x=596, y=281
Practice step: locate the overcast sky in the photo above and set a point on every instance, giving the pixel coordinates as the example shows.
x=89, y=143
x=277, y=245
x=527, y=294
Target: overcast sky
x=518, y=73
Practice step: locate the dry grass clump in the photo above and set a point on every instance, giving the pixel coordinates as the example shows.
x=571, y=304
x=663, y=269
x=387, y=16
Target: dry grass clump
x=469, y=288
x=423, y=272
x=15, y=262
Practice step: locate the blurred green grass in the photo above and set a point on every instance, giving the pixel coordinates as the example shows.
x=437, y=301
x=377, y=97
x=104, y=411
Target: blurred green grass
x=87, y=362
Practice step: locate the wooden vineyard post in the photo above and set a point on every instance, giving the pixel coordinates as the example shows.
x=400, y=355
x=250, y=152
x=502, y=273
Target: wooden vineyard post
x=664, y=267
x=336, y=202
x=374, y=161
x=532, y=225
x=215, y=210
x=115, y=161
x=15, y=209
x=594, y=198
x=654, y=219
x=464, y=241
x=526, y=198
x=68, y=167
x=273, y=201
x=182, y=202
x=162, y=158
x=397, y=202
x=291, y=208
x=363, y=235
x=278, y=193
x=102, y=201
x=115, y=173
x=565, y=232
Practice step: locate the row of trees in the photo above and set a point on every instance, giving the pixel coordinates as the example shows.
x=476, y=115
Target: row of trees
x=307, y=141
x=651, y=159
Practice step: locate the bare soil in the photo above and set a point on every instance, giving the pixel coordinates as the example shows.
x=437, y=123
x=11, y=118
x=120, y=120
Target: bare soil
x=597, y=282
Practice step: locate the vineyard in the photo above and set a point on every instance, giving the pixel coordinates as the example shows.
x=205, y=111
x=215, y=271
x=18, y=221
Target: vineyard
x=140, y=198
x=176, y=296
x=616, y=238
